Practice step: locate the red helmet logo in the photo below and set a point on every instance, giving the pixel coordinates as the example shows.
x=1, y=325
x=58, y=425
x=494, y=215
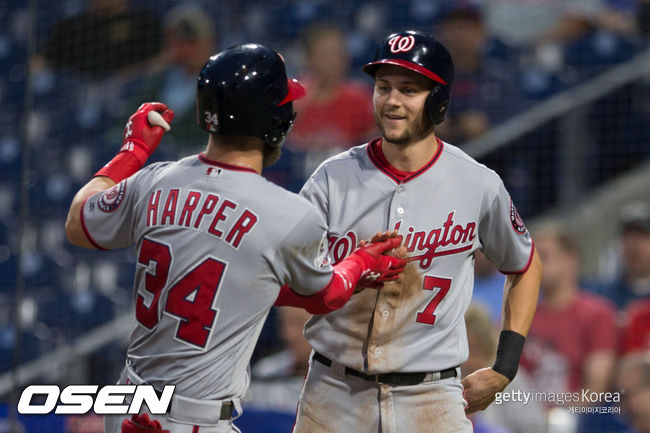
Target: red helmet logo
x=401, y=44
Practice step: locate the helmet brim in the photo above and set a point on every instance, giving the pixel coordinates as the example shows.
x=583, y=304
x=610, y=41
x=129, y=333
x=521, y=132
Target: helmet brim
x=296, y=91
x=371, y=68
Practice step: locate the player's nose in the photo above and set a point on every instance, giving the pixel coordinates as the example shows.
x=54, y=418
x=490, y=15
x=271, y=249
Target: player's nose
x=392, y=98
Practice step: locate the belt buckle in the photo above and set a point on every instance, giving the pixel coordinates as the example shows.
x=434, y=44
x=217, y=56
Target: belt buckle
x=376, y=376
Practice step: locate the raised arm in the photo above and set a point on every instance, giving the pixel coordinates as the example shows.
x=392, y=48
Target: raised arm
x=142, y=134
x=73, y=227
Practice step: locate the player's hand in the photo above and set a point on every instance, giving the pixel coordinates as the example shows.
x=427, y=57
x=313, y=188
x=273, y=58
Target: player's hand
x=379, y=265
x=400, y=252
x=481, y=388
x=141, y=136
x=142, y=424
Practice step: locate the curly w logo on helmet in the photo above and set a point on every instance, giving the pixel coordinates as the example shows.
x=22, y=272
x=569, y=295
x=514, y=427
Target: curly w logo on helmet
x=401, y=43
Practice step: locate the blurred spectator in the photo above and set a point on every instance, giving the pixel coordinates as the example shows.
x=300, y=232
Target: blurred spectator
x=589, y=47
x=513, y=416
x=336, y=113
x=526, y=24
x=485, y=89
x=643, y=17
x=585, y=35
x=190, y=38
x=634, y=380
x=107, y=38
x=572, y=341
x=488, y=286
x=635, y=335
x=277, y=379
x=633, y=280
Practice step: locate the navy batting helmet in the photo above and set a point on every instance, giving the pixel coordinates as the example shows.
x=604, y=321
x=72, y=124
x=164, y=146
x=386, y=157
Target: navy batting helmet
x=424, y=54
x=244, y=90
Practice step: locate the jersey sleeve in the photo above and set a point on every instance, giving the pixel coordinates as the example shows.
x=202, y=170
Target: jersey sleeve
x=505, y=240
x=301, y=261
x=315, y=191
x=107, y=217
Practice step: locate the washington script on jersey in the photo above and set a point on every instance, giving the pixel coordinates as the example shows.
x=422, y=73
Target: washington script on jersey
x=426, y=242
x=206, y=204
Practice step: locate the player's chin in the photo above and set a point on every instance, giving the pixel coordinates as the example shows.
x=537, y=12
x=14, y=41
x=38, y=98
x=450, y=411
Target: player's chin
x=397, y=137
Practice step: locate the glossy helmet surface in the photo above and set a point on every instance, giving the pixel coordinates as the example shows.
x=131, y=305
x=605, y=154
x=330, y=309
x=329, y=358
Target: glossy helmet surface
x=244, y=90
x=423, y=54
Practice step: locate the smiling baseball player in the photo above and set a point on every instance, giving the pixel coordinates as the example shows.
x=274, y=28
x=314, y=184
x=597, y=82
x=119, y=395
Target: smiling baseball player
x=389, y=361
x=214, y=242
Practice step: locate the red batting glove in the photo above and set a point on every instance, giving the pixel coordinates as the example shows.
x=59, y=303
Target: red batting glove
x=142, y=424
x=379, y=267
x=140, y=140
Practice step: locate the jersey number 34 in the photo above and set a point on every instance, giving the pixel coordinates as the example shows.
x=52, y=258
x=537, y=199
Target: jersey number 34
x=189, y=300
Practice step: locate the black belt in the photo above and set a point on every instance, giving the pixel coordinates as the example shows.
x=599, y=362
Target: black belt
x=393, y=379
x=227, y=407
x=226, y=410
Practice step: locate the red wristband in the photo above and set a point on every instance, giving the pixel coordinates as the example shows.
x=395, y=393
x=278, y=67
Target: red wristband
x=127, y=161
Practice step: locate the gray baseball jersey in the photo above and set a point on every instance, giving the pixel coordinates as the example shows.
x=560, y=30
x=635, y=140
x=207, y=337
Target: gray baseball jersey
x=214, y=243
x=446, y=210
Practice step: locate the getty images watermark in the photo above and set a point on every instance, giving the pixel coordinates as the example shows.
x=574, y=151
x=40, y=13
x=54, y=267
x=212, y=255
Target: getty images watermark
x=585, y=401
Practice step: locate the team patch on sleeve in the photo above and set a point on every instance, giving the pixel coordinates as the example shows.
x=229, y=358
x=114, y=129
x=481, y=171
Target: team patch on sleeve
x=321, y=260
x=111, y=199
x=515, y=219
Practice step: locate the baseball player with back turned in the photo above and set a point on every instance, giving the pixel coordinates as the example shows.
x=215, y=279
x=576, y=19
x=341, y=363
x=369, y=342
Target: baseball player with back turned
x=388, y=360
x=214, y=242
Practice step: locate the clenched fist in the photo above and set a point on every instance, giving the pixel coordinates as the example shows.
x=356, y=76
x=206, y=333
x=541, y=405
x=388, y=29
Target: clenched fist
x=141, y=138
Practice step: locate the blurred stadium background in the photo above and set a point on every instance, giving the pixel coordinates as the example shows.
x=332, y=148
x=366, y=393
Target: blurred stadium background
x=562, y=117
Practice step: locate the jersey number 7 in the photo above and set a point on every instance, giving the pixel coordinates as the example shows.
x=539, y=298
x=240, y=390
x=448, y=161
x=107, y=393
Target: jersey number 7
x=190, y=299
x=426, y=316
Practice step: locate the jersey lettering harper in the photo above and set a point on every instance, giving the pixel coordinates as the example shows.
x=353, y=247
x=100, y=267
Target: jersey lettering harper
x=443, y=223
x=213, y=247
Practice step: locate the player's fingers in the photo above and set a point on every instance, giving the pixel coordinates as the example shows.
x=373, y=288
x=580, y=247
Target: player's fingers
x=392, y=234
x=399, y=252
x=382, y=246
x=378, y=237
x=382, y=236
x=395, y=269
x=156, y=106
x=152, y=106
x=168, y=115
x=390, y=272
x=395, y=272
x=397, y=262
x=394, y=242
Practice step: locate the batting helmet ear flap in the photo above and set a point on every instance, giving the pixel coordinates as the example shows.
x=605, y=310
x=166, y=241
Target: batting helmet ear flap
x=437, y=103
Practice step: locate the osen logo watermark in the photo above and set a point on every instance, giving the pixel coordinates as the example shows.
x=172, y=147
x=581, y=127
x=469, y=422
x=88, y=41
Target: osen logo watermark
x=80, y=399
